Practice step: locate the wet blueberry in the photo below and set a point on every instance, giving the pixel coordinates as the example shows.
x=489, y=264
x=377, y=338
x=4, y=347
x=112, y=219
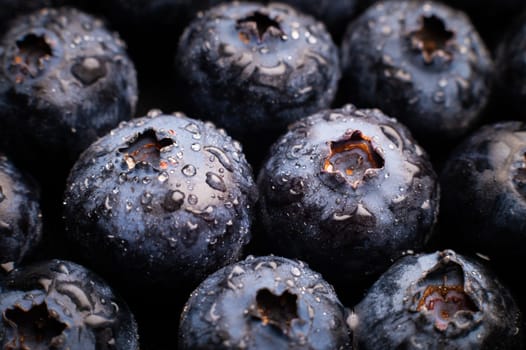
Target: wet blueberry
x=65, y=80
x=255, y=68
x=420, y=62
x=348, y=191
x=266, y=302
x=59, y=304
x=162, y=200
x=440, y=300
x=483, y=207
x=20, y=214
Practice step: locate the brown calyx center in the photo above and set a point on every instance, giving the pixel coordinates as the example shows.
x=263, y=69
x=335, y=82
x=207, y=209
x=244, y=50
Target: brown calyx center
x=444, y=301
x=32, y=55
x=277, y=310
x=146, y=149
x=34, y=329
x=352, y=157
x=258, y=25
x=432, y=39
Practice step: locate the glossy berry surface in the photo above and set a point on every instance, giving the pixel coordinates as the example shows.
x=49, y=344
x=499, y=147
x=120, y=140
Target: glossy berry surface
x=483, y=208
x=420, y=62
x=58, y=304
x=255, y=68
x=20, y=214
x=440, y=300
x=266, y=302
x=164, y=197
x=347, y=191
x=65, y=80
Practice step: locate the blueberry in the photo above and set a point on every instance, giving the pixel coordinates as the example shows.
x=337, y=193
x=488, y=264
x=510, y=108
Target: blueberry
x=20, y=214
x=348, y=191
x=440, y=300
x=58, y=304
x=420, y=62
x=65, y=80
x=255, y=68
x=162, y=200
x=266, y=302
x=483, y=208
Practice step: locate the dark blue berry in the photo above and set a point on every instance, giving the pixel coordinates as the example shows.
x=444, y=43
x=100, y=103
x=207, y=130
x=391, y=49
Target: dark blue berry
x=348, y=191
x=422, y=63
x=162, y=200
x=20, y=214
x=65, y=80
x=265, y=302
x=440, y=300
x=483, y=207
x=59, y=304
x=255, y=68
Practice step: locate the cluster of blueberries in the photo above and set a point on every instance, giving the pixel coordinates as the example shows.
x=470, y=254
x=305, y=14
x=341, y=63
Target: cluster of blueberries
x=262, y=175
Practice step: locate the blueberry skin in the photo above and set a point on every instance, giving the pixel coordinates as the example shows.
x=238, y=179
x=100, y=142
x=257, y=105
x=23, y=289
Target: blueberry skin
x=254, y=68
x=265, y=302
x=484, y=194
x=475, y=310
x=420, y=62
x=58, y=304
x=65, y=80
x=162, y=200
x=20, y=214
x=350, y=227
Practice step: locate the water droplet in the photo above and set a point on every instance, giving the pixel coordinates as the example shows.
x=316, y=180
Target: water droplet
x=196, y=147
x=173, y=200
x=215, y=181
x=146, y=180
x=154, y=113
x=89, y=70
x=295, y=271
x=163, y=176
x=221, y=156
x=189, y=170
x=146, y=198
x=194, y=129
x=192, y=199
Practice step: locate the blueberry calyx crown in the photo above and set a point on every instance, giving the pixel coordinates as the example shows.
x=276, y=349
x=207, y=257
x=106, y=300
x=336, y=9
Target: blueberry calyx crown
x=432, y=39
x=353, y=157
x=445, y=300
x=35, y=327
x=276, y=310
x=441, y=295
x=146, y=149
x=32, y=55
x=519, y=177
x=260, y=26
